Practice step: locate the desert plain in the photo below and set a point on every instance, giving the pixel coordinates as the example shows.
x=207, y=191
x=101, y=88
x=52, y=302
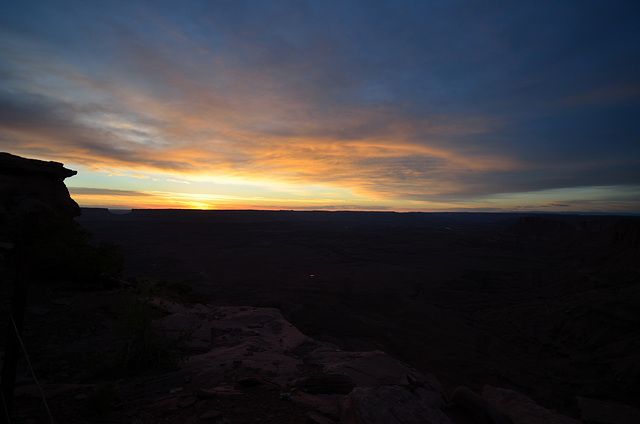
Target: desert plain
x=543, y=304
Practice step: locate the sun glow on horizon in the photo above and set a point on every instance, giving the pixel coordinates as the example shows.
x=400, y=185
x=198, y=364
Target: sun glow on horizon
x=207, y=105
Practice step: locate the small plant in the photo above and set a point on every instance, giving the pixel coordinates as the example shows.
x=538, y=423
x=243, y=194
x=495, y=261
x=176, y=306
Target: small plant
x=142, y=345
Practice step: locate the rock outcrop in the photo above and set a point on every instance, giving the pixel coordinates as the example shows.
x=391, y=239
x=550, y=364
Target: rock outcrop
x=240, y=344
x=389, y=405
x=521, y=409
x=237, y=348
x=479, y=408
x=249, y=364
x=30, y=185
x=607, y=412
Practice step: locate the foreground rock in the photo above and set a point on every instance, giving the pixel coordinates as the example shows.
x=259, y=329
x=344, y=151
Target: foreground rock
x=607, y=412
x=389, y=405
x=247, y=346
x=478, y=408
x=520, y=409
x=239, y=349
x=249, y=365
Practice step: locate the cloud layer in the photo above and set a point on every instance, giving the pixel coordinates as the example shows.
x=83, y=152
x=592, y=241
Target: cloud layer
x=399, y=105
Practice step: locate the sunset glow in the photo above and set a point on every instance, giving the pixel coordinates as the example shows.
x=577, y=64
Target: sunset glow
x=338, y=105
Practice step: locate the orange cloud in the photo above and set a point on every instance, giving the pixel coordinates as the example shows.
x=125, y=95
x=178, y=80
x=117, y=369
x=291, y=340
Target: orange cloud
x=233, y=126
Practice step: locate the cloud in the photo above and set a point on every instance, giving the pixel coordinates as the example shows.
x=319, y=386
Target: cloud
x=92, y=191
x=555, y=205
x=412, y=103
x=339, y=147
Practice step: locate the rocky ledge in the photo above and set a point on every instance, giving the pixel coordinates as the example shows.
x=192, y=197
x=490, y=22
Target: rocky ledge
x=250, y=365
x=30, y=184
x=240, y=352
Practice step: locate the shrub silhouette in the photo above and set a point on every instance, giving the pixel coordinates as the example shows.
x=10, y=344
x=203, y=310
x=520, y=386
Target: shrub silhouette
x=142, y=345
x=62, y=252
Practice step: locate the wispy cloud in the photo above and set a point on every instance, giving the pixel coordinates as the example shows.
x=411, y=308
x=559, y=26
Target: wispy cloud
x=92, y=191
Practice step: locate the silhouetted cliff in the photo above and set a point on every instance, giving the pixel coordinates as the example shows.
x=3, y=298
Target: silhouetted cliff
x=37, y=210
x=29, y=185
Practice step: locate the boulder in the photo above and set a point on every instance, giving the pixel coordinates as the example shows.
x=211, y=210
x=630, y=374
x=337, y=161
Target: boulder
x=478, y=408
x=375, y=368
x=388, y=405
x=607, y=412
x=520, y=409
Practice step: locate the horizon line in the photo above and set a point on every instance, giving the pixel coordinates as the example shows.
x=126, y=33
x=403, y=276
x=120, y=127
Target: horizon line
x=122, y=210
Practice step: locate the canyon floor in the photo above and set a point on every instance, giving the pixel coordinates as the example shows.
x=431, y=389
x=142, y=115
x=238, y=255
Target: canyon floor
x=550, y=314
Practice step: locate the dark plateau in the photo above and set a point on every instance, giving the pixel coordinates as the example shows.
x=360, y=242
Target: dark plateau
x=548, y=305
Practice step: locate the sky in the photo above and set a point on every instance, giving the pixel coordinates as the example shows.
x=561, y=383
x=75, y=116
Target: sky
x=359, y=105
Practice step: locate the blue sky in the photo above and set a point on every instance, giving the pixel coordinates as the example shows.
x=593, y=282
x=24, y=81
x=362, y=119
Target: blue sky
x=398, y=105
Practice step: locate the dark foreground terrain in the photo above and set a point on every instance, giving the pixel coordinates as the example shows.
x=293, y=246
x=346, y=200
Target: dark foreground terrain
x=548, y=306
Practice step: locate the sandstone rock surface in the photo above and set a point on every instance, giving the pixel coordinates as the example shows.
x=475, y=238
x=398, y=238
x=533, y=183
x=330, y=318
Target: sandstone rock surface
x=234, y=345
x=607, y=412
x=238, y=348
x=521, y=409
x=478, y=408
x=388, y=405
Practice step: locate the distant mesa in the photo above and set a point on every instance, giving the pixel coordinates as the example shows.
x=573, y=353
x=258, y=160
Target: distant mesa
x=120, y=211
